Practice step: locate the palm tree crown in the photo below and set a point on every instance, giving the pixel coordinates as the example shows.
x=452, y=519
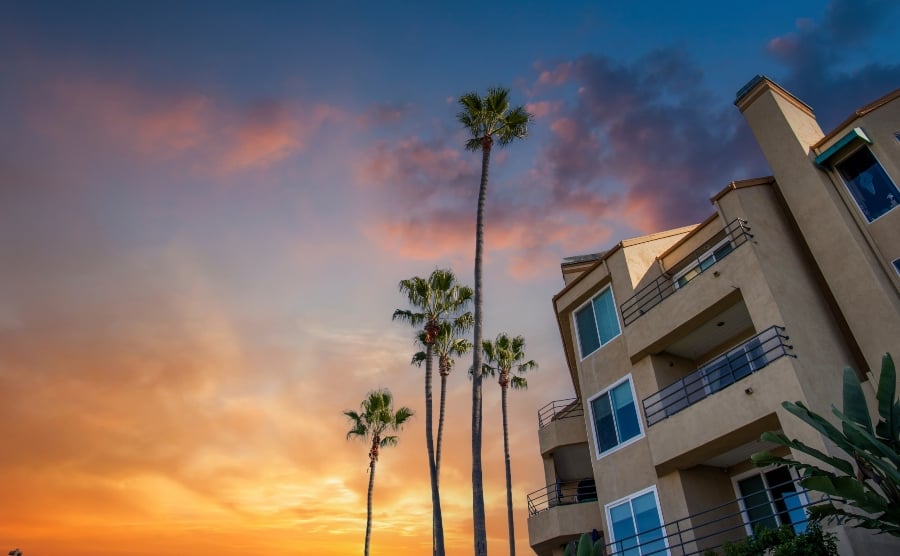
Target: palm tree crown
x=377, y=416
x=505, y=356
x=436, y=298
x=490, y=116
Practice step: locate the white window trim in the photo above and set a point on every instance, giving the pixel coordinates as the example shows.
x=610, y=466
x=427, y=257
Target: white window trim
x=696, y=262
x=633, y=495
x=590, y=302
x=637, y=408
x=859, y=210
x=760, y=471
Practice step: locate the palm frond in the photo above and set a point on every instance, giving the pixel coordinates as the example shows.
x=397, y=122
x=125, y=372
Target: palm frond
x=388, y=441
x=518, y=383
x=418, y=358
x=474, y=144
x=402, y=415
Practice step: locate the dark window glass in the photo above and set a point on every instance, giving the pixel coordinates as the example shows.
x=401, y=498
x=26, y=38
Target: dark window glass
x=872, y=189
x=587, y=330
x=604, y=423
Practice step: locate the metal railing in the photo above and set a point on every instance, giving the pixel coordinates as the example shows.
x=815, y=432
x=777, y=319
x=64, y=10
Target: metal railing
x=562, y=493
x=721, y=372
x=651, y=295
x=559, y=409
x=730, y=522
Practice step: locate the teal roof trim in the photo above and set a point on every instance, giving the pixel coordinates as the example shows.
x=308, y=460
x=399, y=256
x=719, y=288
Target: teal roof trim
x=854, y=134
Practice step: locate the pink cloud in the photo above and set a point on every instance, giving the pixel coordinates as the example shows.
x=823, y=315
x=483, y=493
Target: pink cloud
x=209, y=135
x=542, y=108
x=565, y=128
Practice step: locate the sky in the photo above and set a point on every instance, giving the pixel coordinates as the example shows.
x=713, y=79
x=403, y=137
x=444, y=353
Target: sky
x=206, y=208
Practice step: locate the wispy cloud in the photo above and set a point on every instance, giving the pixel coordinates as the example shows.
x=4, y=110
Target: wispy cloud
x=210, y=135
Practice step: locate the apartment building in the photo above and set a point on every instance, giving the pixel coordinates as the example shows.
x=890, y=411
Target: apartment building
x=681, y=345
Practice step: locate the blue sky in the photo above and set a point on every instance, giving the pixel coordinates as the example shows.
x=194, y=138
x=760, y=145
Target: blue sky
x=205, y=209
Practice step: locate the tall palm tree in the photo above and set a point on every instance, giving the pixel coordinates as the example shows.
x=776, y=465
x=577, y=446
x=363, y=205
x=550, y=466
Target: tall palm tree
x=503, y=357
x=434, y=299
x=376, y=416
x=485, y=118
x=448, y=348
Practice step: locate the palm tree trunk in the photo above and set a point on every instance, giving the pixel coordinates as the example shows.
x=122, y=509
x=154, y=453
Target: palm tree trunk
x=440, y=433
x=437, y=518
x=509, y=507
x=369, y=505
x=478, y=517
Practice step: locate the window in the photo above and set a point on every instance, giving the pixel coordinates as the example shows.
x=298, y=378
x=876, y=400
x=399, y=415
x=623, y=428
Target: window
x=635, y=525
x=872, y=189
x=897, y=266
x=615, y=416
x=770, y=500
x=597, y=322
x=703, y=262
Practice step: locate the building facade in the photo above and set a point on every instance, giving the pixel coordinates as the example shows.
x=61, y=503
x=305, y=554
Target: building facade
x=681, y=345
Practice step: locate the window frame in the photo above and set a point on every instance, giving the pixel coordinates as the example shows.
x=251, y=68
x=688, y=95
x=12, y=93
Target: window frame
x=591, y=303
x=843, y=158
x=761, y=472
x=629, y=498
x=640, y=418
x=698, y=262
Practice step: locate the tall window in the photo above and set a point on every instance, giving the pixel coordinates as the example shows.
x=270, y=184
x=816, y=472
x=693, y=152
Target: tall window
x=615, y=416
x=597, y=322
x=635, y=523
x=770, y=500
x=872, y=189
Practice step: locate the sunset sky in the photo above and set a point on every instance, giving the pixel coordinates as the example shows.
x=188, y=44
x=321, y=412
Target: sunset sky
x=205, y=209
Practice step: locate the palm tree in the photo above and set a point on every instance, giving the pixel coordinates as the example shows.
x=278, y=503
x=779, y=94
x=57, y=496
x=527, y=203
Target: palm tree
x=485, y=118
x=503, y=357
x=435, y=299
x=376, y=416
x=448, y=347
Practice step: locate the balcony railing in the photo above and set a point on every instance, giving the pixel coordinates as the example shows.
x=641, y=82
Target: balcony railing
x=730, y=238
x=721, y=372
x=559, y=409
x=779, y=505
x=561, y=494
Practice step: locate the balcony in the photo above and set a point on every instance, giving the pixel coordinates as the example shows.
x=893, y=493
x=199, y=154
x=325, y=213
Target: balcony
x=681, y=274
x=561, y=493
x=561, y=512
x=771, y=507
x=561, y=426
x=718, y=374
x=559, y=409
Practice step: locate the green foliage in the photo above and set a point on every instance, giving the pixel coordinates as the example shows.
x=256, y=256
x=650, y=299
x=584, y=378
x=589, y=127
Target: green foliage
x=584, y=547
x=505, y=356
x=784, y=542
x=491, y=116
x=868, y=482
x=377, y=416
